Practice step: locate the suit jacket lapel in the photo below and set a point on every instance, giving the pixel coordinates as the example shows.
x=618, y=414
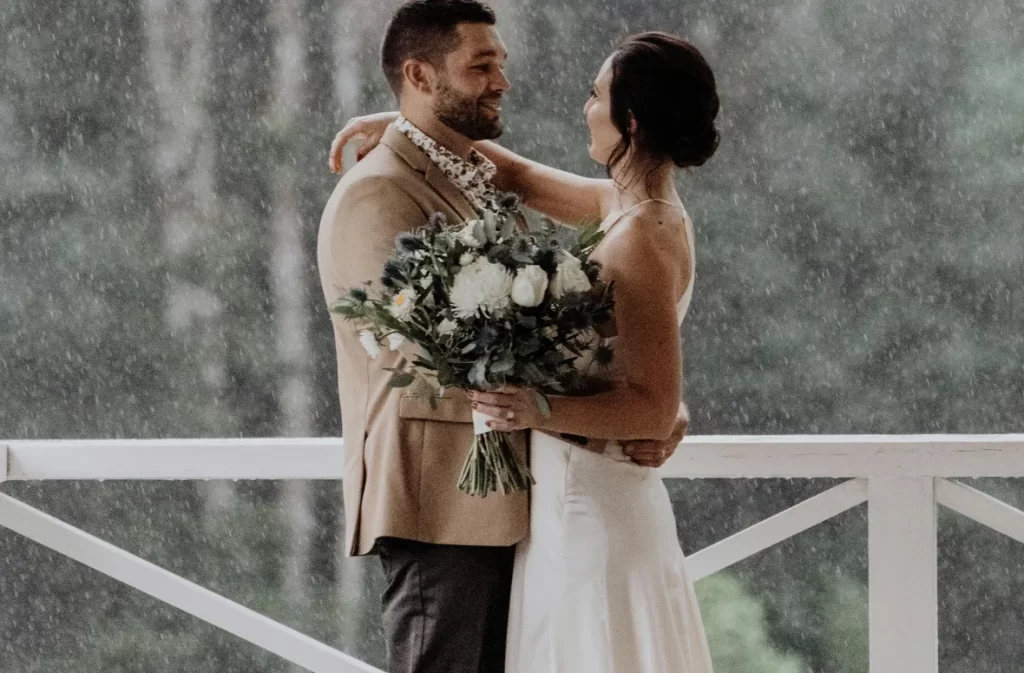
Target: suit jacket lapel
x=433, y=175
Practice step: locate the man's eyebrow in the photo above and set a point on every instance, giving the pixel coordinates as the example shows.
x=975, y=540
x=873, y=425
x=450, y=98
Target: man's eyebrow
x=490, y=52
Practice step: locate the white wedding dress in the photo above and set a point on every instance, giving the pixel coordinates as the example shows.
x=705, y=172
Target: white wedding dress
x=600, y=584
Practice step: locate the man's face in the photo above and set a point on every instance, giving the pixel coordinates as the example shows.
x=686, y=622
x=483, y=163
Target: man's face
x=470, y=86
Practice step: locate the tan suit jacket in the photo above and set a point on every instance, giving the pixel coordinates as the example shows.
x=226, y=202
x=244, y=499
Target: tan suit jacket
x=402, y=458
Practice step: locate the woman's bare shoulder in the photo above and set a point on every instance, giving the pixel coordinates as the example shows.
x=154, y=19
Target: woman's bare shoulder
x=652, y=239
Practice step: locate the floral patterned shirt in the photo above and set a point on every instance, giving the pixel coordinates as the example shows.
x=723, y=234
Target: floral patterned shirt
x=472, y=176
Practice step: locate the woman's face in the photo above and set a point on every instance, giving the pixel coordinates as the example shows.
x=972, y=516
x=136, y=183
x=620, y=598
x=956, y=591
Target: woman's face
x=598, y=111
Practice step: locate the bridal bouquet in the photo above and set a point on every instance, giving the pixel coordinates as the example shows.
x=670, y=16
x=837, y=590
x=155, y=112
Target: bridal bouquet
x=486, y=305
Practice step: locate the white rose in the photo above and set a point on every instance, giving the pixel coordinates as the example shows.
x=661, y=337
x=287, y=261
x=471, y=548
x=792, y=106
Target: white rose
x=369, y=342
x=569, y=277
x=403, y=304
x=468, y=236
x=446, y=327
x=482, y=286
x=395, y=341
x=466, y=259
x=529, y=286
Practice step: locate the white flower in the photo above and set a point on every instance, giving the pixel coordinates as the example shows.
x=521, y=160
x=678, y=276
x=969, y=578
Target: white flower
x=369, y=342
x=395, y=341
x=403, y=304
x=549, y=332
x=482, y=286
x=569, y=277
x=468, y=236
x=529, y=286
x=466, y=259
x=446, y=327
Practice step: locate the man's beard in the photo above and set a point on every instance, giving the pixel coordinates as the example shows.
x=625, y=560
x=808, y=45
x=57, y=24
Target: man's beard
x=463, y=115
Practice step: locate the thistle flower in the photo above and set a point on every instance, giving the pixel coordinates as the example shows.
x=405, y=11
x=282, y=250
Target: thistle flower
x=409, y=243
x=437, y=222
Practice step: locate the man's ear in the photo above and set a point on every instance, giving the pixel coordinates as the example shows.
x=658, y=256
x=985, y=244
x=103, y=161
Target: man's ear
x=419, y=75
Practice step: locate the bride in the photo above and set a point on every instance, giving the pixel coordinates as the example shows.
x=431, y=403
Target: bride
x=600, y=584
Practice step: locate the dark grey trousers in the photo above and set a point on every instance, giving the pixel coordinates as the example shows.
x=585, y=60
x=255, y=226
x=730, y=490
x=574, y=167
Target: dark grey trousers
x=445, y=607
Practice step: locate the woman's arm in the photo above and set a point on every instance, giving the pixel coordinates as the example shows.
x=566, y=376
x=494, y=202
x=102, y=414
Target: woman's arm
x=560, y=195
x=645, y=404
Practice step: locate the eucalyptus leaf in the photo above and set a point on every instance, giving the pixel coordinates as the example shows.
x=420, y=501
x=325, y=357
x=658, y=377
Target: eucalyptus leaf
x=478, y=373
x=401, y=380
x=543, y=404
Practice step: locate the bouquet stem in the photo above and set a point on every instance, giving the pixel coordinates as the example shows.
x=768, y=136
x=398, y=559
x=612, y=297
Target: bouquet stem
x=491, y=465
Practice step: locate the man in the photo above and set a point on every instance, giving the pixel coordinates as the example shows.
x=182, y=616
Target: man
x=447, y=557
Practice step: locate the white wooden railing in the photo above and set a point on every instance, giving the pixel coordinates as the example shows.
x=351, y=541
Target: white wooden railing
x=901, y=477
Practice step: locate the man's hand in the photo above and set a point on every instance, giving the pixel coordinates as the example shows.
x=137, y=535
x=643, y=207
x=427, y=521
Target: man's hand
x=653, y=453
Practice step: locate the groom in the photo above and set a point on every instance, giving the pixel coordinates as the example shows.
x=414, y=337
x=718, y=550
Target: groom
x=447, y=557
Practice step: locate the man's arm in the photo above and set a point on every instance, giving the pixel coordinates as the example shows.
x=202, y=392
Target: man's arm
x=652, y=453
x=370, y=216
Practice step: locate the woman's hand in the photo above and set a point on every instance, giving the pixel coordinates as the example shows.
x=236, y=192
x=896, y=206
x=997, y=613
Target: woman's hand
x=510, y=408
x=370, y=128
x=655, y=453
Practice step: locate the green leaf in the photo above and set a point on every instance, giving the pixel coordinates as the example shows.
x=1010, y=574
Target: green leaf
x=478, y=374
x=504, y=364
x=543, y=404
x=401, y=379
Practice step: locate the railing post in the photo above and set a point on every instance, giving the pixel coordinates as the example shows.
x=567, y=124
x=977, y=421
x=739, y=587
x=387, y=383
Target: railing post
x=902, y=574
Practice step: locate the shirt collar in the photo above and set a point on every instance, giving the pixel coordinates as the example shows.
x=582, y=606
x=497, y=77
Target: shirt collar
x=472, y=175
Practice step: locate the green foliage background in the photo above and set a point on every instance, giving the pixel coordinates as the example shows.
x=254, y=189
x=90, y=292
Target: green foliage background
x=859, y=264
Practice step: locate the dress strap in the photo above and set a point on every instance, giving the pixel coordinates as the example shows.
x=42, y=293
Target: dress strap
x=629, y=210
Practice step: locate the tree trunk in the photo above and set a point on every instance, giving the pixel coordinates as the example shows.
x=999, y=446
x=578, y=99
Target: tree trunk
x=290, y=294
x=179, y=61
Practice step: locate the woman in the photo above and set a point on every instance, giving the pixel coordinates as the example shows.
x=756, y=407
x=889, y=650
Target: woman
x=600, y=586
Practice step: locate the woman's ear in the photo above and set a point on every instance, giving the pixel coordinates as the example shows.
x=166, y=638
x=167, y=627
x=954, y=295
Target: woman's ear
x=632, y=125
x=419, y=75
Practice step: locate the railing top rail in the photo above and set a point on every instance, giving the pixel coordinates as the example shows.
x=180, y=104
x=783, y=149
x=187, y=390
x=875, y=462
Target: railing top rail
x=720, y=456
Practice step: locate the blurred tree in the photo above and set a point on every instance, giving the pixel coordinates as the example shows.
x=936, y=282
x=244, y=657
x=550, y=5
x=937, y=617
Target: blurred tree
x=161, y=178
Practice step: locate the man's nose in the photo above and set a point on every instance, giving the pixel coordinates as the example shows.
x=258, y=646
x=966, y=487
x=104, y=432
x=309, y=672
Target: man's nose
x=501, y=83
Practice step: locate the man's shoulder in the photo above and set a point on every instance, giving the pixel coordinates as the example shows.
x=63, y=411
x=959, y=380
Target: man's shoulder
x=380, y=172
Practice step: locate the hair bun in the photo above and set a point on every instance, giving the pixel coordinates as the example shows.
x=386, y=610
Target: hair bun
x=695, y=148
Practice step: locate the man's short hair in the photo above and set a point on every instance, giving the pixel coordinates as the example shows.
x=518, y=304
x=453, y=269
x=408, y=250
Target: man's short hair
x=426, y=30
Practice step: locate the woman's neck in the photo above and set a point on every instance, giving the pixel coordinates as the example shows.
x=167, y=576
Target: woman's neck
x=637, y=185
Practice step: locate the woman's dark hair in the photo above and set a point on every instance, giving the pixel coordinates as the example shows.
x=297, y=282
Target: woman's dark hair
x=426, y=30
x=664, y=83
